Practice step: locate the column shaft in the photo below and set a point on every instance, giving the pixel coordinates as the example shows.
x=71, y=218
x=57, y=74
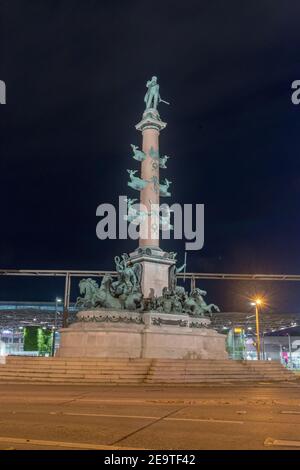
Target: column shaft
x=149, y=170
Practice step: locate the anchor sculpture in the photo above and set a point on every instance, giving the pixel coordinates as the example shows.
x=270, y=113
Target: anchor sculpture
x=133, y=214
x=163, y=161
x=138, y=154
x=163, y=188
x=135, y=182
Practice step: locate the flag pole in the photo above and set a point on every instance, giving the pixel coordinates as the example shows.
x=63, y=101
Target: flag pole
x=185, y=256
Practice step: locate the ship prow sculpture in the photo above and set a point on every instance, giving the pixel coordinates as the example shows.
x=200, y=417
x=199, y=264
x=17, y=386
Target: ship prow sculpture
x=142, y=312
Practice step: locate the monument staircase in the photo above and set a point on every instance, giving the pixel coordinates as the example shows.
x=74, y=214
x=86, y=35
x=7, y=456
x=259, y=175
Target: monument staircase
x=193, y=371
x=119, y=371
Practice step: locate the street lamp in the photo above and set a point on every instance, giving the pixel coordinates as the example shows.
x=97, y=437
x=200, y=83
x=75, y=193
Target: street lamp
x=57, y=301
x=290, y=351
x=257, y=302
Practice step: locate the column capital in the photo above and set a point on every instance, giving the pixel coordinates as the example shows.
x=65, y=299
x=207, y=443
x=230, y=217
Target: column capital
x=151, y=120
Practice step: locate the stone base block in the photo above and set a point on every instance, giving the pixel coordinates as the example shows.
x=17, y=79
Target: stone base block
x=155, y=277
x=156, y=336
x=155, y=270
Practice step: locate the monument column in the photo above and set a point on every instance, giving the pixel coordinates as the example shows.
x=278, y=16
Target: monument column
x=154, y=261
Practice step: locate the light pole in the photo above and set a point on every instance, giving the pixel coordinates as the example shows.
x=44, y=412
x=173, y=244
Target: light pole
x=290, y=351
x=257, y=303
x=57, y=301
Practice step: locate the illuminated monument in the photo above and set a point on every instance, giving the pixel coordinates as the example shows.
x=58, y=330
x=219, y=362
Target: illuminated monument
x=155, y=263
x=143, y=313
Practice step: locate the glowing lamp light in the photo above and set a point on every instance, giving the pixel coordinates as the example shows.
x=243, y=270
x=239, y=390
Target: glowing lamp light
x=257, y=301
x=238, y=330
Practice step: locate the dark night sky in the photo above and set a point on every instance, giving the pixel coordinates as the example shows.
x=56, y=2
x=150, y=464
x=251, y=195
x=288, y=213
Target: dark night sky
x=75, y=74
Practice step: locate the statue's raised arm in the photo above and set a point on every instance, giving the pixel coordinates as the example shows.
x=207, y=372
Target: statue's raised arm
x=152, y=97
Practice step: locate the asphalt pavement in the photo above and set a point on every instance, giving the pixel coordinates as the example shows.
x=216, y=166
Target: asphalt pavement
x=149, y=417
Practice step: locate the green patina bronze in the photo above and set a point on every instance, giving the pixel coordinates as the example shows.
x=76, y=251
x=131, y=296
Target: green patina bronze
x=136, y=182
x=173, y=271
x=162, y=161
x=138, y=155
x=163, y=188
x=195, y=305
x=125, y=293
x=152, y=97
x=134, y=215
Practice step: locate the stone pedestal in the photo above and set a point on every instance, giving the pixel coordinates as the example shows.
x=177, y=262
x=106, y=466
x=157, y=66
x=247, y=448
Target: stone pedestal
x=155, y=270
x=109, y=333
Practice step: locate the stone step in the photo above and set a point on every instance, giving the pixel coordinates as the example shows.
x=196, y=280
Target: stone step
x=64, y=373
x=79, y=363
x=203, y=372
x=169, y=373
x=156, y=377
x=75, y=377
x=213, y=379
x=138, y=371
x=53, y=374
x=216, y=379
x=79, y=368
x=192, y=362
x=237, y=374
x=225, y=364
x=278, y=367
x=212, y=364
x=227, y=369
x=166, y=369
x=194, y=371
x=174, y=368
x=37, y=372
x=74, y=365
x=88, y=378
x=75, y=358
x=165, y=363
x=116, y=369
x=236, y=364
x=120, y=366
x=59, y=380
x=99, y=373
x=216, y=366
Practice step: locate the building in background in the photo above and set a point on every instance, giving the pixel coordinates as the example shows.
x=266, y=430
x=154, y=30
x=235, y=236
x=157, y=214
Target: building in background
x=280, y=333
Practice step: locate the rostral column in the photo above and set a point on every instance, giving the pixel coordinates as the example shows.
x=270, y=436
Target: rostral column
x=155, y=262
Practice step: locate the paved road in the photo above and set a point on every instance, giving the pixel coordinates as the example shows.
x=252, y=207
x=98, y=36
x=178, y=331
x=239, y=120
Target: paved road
x=119, y=417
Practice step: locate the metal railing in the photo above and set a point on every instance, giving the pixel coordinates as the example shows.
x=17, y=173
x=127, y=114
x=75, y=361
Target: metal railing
x=192, y=277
